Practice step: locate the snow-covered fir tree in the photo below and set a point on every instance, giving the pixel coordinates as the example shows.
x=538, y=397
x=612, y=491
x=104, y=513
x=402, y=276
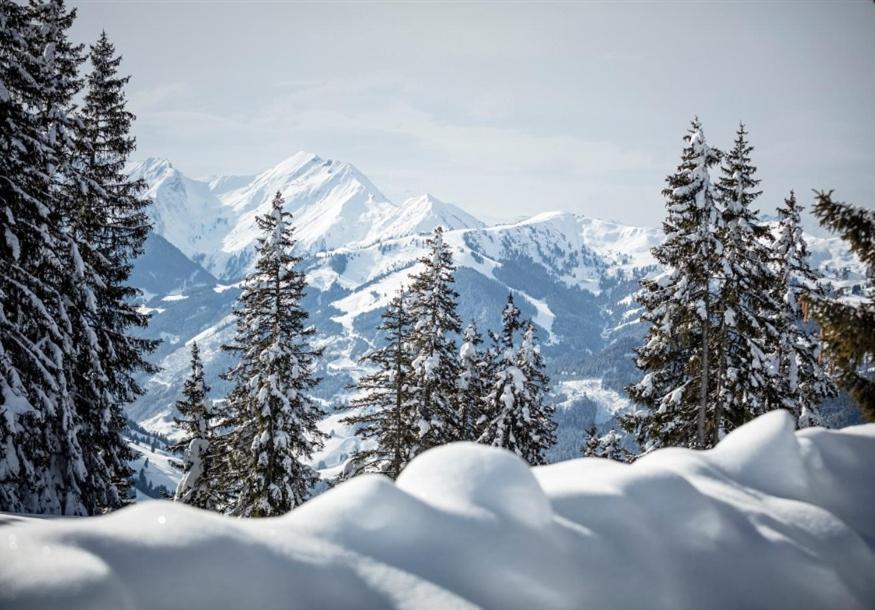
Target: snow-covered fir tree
x=34, y=337
x=591, y=445
x=608, y=445
x=108, y=223
x=62, y=392
x=499, y=357
x=802, y=379
x=676, y=356
x=76, y=489
x=387, y=412
x=744, y=374
x=471, y=385
x=518, y=418
x=511, y=324
x=270, y=416
x=435, y=320
x=848, y=324
x=538, y=430
x=195, y=421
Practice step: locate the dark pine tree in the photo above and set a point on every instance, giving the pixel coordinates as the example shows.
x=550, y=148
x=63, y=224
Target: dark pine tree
x=746, y=308
x=471, y=386
x=385, y=403
x=34, y=335
x=499, y=359
x=608, y=445
x=848, y=325
x=270, y=416
x=517, y=415
x=677, y=388
x=83, y=480
x=108, y=222
x=591, y=446
x=195, y=421
x=802, y=379
x=537, y=430
x=435, y=367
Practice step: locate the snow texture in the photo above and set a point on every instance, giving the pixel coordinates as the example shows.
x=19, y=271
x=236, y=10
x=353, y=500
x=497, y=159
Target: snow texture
x=768, y=519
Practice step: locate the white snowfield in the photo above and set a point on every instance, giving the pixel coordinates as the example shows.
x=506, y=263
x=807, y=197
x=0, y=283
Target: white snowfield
x=769, y=519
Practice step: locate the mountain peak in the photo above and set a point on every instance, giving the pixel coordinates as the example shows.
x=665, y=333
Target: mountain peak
x=295, y=163
x=150, y=168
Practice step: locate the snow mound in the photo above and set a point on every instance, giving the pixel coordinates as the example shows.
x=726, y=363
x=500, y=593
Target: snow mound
x=473, y=479
x=771, y=518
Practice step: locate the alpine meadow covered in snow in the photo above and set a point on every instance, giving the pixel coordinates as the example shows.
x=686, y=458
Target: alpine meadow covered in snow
x=285, y=388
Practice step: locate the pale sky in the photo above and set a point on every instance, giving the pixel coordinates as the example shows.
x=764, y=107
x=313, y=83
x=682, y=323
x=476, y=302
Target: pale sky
x=507, y=109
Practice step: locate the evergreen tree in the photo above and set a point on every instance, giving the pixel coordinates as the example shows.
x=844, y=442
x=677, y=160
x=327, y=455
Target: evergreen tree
x=608, y=445
x=71, y=482
x=471, y=385
x=517, y=418
x=74, y=474
x=33, y=335
x=745, y=377
x=538, y=430
x=591, y=446
x=387, y=411
x=196, y=424
x=499, y=358
x=848, y=325
x=271, y=418
x=510, y=325
x=108, y=224
x=802, y=380
x=677, y=387
x=435, y=367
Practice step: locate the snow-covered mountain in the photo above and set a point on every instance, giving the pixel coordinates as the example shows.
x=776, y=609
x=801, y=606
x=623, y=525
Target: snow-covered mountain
x=334, y=205
x=573, y=275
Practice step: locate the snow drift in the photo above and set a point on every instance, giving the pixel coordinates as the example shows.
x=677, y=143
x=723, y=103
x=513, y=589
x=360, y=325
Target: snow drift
x=768, y=519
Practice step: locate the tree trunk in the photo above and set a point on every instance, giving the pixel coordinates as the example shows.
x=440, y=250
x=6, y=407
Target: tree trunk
x=703, y=389
x=721, y=375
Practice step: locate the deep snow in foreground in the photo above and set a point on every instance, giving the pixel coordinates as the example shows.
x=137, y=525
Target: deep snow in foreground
x=769, y=519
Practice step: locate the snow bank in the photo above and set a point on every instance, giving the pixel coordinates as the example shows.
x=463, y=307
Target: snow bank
x=769, y=519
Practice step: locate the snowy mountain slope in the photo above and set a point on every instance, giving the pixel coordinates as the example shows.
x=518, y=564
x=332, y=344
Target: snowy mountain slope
x=184, y=211
x=157, y=467
x=768, y=519
x=574, y=276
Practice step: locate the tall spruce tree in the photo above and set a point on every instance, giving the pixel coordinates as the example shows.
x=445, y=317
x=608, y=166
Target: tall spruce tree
x=498, y=358
x=387, y=410
x=676, y=355
x=471, y=385
x=745, y=376
x=592, y=445
x=33, y=334
x=195, y=421
x=848, y=324
x=65, y=432
x=802, y=379
x=271, y=417
x=608, y=445
x=85, y=480
x=517, y=418
x=537, y=430
x=109, y=225
x=433, y=310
